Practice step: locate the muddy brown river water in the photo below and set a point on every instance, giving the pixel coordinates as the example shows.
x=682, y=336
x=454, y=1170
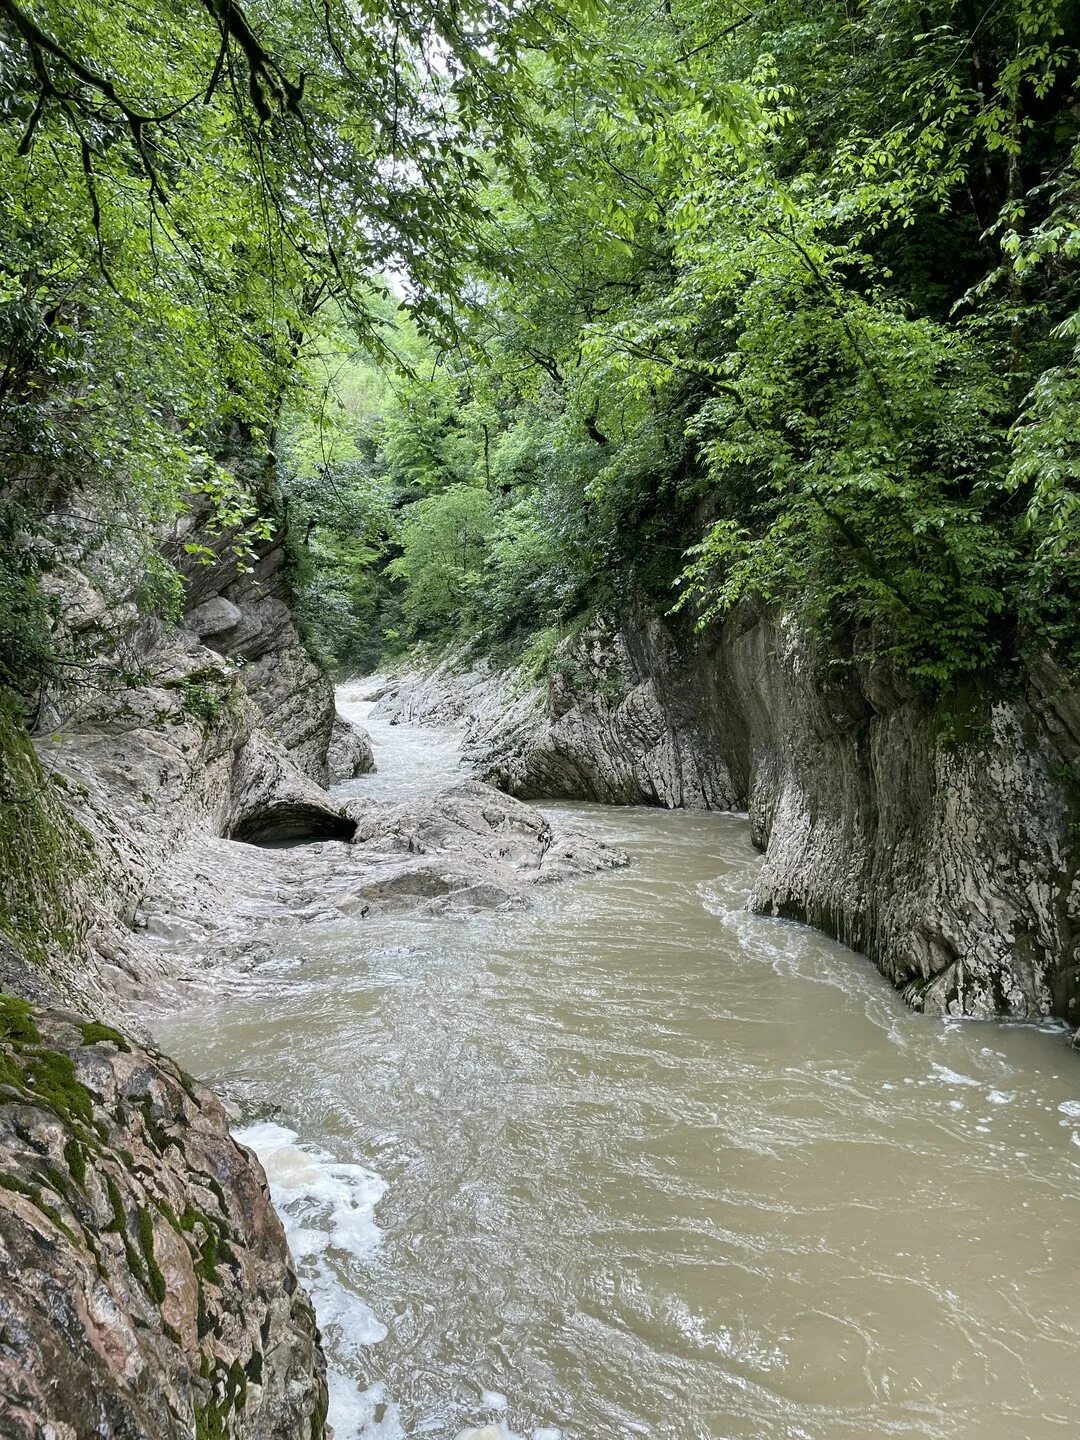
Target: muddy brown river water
x=634, y=1162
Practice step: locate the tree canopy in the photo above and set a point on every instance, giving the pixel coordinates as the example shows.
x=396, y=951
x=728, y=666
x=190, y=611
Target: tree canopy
x=532, y=306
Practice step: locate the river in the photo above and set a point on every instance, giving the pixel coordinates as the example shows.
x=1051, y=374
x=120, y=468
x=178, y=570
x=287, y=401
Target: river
x=634, y=1162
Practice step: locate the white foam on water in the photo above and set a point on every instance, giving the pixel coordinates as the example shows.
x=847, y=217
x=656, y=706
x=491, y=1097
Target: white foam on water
x=322, y=1201
x=952, y=1077
x=357, y=1414
x=1070, y=1108
x=328, y=1210
x=493, y=1400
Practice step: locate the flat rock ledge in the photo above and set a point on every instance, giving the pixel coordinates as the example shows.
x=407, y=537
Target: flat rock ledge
x=467, y=849
x=146, y=1289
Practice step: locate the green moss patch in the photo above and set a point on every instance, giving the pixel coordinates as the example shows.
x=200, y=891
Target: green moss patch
x=10, y=1071
x=54, y=1082
x=75, y=1155
x=155, y=1281
x=95, y=1034
x=17, y=1021
x=43, y=850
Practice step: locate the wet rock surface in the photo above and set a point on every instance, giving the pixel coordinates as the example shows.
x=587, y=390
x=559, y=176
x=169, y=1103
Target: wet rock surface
x=467, y=848
x=146, y=1289
x=945, y=850
x=350, y=752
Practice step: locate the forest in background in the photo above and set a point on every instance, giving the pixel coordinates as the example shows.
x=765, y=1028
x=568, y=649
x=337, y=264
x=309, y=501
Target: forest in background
x=511, y=311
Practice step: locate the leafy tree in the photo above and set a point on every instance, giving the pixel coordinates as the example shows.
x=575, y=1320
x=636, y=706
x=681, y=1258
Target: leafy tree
x=801, y=300
x=191, y=193
x=442, y=544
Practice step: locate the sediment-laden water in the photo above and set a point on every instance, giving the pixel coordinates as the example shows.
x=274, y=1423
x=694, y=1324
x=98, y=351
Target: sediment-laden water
x=633, y=1162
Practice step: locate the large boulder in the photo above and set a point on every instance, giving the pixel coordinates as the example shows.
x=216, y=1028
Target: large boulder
x=146, y=1289
x=350, y=753
x=465, y=849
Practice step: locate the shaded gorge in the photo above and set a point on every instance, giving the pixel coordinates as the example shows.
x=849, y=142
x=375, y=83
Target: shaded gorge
x=634, y=1162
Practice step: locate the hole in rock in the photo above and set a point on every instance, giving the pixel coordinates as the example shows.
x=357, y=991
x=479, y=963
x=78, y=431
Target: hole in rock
x=295, y=824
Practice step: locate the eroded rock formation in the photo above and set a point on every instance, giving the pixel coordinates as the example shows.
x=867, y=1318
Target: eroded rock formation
x=466, y=849
x=603, y=726
x=943, y=844
x=146, y=1289
x=220, y=727
x=244, y=613
x=350, y=752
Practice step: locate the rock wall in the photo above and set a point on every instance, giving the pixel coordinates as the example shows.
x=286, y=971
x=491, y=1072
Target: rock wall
x=146, y=1289
x=145, y=773
x=245, y=615
x=943, y=845
x=218, y=725
x=946, y=850
x=604, y=726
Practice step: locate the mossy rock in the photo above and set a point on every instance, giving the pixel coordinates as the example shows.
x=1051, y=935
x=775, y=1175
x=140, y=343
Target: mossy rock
x=96, y=1034
x=17, y=1021
x=53, y=1081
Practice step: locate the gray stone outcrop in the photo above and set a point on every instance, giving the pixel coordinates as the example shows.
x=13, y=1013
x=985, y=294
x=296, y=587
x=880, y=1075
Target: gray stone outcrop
x=942, y=843
x=146, y=1288
x=350, y=753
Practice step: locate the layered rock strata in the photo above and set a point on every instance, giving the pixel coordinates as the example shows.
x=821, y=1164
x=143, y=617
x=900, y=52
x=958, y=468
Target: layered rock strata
x=941, y=840
x=146, y=1288
x=603, y=725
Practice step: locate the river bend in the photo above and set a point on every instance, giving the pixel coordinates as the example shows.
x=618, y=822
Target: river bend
x=635, y=1163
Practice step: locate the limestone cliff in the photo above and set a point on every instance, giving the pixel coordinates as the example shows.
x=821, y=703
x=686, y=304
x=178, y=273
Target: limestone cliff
x=946, y=850
x=942, y=845
x=146, y=1288
x=603, y=726
x=245, y=615
x=216, y=724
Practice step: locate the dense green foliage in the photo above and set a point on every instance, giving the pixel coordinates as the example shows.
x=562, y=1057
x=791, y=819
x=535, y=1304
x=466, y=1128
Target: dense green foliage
x=804, y=303
x=186, y=187
x=723, y=305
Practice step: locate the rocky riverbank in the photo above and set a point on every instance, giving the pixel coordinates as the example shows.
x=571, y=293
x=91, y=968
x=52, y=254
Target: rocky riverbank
x=165, y=823
x=146, y=1289
x=941, y=842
